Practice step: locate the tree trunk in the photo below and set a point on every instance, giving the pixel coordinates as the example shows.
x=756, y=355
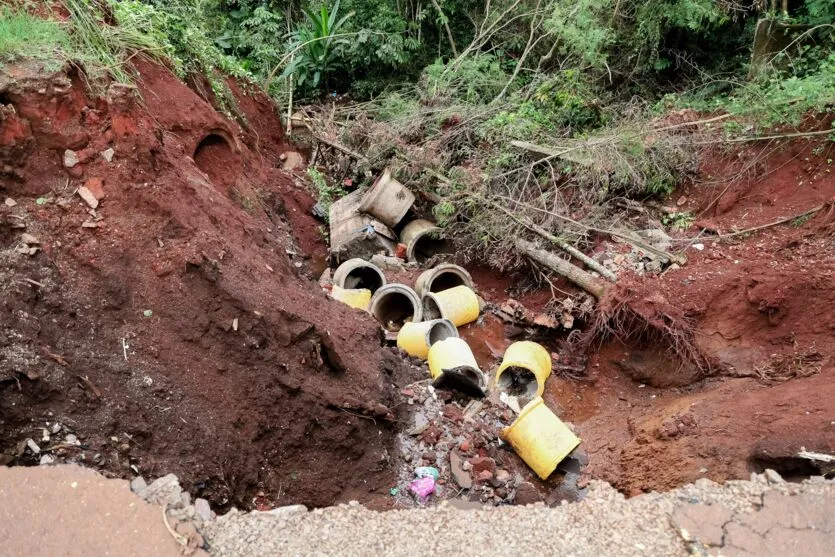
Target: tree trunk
x=573, y=273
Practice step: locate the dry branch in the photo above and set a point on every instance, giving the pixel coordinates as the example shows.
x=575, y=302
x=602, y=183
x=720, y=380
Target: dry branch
x=563, y=245
x=573, y=273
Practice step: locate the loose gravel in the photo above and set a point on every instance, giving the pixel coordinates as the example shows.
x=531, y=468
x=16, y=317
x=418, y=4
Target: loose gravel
x=604, y=524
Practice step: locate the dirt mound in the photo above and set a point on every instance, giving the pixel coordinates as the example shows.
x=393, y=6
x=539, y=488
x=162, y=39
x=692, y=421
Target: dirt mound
x=759, y=306
x=174, y=327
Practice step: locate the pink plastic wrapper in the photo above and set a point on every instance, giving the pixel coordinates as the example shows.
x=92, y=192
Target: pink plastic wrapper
x=423, y=487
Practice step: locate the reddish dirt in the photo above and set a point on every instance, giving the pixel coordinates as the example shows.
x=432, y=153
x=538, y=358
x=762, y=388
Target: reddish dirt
x=760, y=307
x=182, y=333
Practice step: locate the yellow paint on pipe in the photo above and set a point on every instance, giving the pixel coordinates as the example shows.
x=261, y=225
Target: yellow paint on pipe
x=540, y=438
x=460, y=305
x=359, y=298
x=529, y=356
x=416, y=338
x=453, y=365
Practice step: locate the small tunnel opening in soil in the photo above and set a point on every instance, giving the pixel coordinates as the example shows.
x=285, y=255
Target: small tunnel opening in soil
x=216, y=158
x=393, y=310
x=791, y=468
x=364, y=277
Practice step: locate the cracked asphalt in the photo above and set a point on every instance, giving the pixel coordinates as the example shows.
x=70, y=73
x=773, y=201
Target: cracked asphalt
x=69, y=510
x=763, y=517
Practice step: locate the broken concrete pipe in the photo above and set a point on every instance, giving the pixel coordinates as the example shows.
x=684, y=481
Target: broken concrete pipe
x=442, y=277
x=525, y=367
x=452, y=365
x=359, y=298
x=540, y=438
x=388, y=200
x=356, y=273
x=424, y=239
x=416, y=338
x=356, y=235
x=460, y=305
x=394, y=305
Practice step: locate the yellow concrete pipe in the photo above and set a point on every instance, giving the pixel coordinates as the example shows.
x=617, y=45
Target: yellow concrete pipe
x=359, y=298
x=460, y=305
x=416, y=338
x=540, y=438
x=525, y=367
x=453, y=365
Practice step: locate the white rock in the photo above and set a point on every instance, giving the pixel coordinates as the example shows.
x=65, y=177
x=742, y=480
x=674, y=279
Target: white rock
x=70, y=158
x=107, y=154
x=773, y=476
x=10, y=202
x=71, y=439
x=46, y=459
x=33, y=446
x=88, y=197
x=698, y=247
x=29, y=239
x=201, y=507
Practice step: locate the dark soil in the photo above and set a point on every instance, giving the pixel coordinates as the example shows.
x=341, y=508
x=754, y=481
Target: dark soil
x=182, y=334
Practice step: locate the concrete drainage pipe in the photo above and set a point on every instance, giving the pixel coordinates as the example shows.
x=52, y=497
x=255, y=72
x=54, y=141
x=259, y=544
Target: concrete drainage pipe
x=424, y=239
x=443, y=277
x=359, y=274
x=394, y=305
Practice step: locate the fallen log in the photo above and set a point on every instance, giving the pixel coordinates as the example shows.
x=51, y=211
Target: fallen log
x=566, y=247
x=573, y=273
x=340, y=147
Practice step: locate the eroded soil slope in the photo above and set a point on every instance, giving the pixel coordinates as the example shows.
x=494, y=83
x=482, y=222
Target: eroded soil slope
x=174, y=328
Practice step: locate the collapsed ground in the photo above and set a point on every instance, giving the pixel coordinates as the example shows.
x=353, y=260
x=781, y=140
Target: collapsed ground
x=178, y=327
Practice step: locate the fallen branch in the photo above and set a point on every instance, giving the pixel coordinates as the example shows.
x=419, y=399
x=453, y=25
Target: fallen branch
x=766, y=137
x=819, y=457
x=755, y=228
x=573, y=273
x=340, y=147
x=675, y=258
x=562, y=244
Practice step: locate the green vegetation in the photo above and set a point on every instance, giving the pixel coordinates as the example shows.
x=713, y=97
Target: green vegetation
x=24, y=34
x=555, y=109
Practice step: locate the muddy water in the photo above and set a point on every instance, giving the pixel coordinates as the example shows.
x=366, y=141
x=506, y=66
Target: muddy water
x=486, y=338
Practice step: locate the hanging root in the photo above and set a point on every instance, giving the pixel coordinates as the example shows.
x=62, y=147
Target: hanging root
x=649, y=321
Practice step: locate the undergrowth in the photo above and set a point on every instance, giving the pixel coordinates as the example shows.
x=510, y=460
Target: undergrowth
x=22, y=34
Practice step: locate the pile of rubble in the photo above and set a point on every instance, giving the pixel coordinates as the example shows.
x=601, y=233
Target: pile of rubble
x=463, y=421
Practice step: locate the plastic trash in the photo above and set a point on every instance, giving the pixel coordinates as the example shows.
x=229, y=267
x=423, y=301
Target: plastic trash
x=424, y=471
x=423, y=487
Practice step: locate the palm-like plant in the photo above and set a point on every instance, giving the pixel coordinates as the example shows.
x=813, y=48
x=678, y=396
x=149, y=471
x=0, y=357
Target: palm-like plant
x=315, y=45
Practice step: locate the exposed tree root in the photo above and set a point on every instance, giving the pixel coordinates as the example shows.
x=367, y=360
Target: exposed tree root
x=650, y=321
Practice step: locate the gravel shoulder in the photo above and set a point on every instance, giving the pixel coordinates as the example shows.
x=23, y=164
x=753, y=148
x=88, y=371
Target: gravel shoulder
x=764, y=516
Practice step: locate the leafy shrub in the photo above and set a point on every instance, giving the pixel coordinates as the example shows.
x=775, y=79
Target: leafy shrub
x=315, y=47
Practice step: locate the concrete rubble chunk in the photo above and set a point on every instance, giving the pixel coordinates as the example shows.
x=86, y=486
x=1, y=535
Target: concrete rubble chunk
x=138, y=484
x=88, y=197
x=203, y=510
x=29, y=239
x=33, y=446
x=773, y=476
x=70, y=158
x=107, y=154
x=163, y=491
x=461, y=476
x=10, y=202
x=288, y=510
